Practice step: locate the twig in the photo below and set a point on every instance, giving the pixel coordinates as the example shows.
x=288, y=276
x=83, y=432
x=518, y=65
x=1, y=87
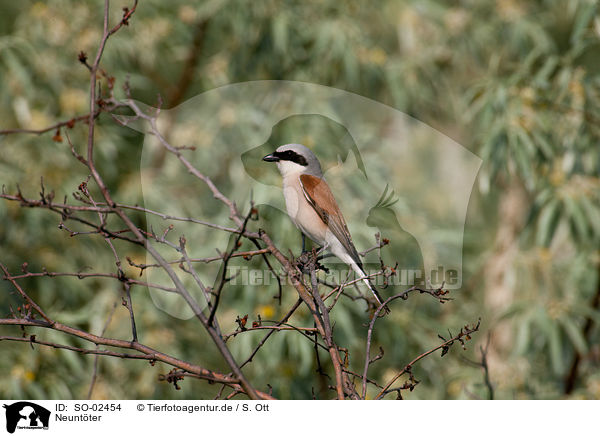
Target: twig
x=24, y=295
x=439, y=294
x=54, y=127
x=82, y=275
x=278, y=327
x=196, y=309
x=572, y=374
x=268, y=335
x=465, y=332
x=340, y=379
x=146, y=353
x=486, y=369
x=226, y=258
x=95, y=371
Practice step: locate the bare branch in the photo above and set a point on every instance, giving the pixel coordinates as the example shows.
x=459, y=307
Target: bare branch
x=465, y=332
x=145, y=352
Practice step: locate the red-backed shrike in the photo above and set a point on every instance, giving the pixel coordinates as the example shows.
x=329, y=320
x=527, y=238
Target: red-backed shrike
x=312, y=207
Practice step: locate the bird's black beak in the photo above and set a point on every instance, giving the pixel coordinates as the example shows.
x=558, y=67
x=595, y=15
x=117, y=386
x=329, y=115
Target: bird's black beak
x=270, y=158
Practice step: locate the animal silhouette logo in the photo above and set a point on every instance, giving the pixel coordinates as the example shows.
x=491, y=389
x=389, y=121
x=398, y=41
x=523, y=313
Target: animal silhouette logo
x=404, y=250
x=362, y=144
x=26, y=415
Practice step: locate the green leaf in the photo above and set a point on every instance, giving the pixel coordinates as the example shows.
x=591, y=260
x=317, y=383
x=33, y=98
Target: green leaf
x=577, y=218
x=280, y=26
x=543, y=74
x=526, y=141
x=555, y=349
x=574, y=334
x=544, y=196
x=547, y=223
x=542, y=144
x=592, y=211
x=587, y=311
x=522, y=339
x=551, y=333
x=582, y=21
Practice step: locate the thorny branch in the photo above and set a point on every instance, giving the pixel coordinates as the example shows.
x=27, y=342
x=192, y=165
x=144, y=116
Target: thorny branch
x=439, y=294
x=463, y=335
x=144, y=352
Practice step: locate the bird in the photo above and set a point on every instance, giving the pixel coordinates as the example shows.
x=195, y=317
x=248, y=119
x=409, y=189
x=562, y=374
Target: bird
x=312, y=207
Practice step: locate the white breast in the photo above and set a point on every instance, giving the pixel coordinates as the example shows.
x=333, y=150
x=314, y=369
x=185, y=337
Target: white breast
x=301, y=212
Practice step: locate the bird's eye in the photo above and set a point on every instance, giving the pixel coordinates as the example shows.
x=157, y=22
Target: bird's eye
x=291, y=156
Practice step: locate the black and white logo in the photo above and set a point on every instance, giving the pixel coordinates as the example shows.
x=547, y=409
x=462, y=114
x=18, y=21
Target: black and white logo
x=26, y=415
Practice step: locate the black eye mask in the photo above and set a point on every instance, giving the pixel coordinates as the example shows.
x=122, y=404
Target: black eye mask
x=290, y=155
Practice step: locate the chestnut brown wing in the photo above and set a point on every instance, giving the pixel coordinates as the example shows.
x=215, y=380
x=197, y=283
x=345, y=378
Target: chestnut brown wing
x=321, y=199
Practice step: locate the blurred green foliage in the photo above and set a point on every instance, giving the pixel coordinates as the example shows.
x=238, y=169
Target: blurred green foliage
x=517, y=83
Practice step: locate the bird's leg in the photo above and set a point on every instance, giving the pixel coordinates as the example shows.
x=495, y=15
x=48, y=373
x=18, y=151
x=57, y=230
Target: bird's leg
x=319, y=255
x=303, y=259
x=320, y=251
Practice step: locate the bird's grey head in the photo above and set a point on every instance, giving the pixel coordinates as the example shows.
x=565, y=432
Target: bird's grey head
x=295, y=158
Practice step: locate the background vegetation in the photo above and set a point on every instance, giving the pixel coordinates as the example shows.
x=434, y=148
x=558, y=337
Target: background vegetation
x=517, y=83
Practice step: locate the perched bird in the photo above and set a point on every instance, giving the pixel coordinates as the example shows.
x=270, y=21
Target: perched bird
x=312, y=207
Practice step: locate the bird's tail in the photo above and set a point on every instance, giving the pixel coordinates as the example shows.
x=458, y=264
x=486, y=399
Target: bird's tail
x=361, y=273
